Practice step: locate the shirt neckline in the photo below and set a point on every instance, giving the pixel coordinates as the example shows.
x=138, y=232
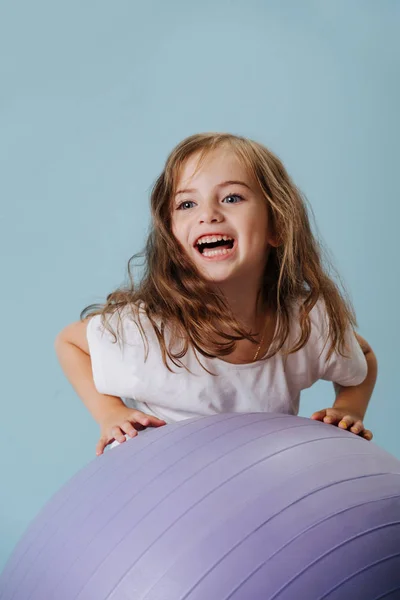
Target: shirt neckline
x=249, y=365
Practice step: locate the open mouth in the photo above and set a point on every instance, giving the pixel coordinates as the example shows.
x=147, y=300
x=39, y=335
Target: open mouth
x=216, y=245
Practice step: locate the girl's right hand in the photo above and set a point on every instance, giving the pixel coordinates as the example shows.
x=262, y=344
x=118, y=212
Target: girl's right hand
x=123, y=420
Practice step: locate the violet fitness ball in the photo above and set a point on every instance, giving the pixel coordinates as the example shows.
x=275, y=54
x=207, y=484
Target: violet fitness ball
x=233, y=506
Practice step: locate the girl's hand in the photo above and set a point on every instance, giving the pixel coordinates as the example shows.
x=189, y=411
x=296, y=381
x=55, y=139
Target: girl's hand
x=123, y=420
x=343, y=419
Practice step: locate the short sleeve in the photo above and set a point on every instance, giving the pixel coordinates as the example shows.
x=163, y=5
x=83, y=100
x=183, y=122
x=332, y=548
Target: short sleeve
x=346, y=370
x=115, y=364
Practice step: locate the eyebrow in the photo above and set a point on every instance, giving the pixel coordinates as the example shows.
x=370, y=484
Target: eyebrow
x=223, y=184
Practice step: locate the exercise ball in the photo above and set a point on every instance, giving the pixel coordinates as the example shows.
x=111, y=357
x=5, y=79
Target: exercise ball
x=232, y=506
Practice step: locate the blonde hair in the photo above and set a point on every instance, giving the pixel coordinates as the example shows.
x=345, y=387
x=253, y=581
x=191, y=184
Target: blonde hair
x=174, y=295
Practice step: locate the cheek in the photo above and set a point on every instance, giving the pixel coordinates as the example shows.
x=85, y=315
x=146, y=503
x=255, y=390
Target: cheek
x=179, y=232
x=256, y=228
x=256, y=234
x=175, y=228
x=180, y=228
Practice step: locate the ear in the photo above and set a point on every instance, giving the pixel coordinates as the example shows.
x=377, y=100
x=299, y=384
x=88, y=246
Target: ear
x=274, y=240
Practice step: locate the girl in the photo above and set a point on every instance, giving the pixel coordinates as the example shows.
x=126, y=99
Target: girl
x=235, y=311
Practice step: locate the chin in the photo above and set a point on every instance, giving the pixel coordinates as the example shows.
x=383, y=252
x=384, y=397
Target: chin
x=217, y=278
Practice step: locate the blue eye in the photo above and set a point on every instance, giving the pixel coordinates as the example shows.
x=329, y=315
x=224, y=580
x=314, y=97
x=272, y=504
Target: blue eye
x=182, y=205
x=234, y=196
x=186, y=204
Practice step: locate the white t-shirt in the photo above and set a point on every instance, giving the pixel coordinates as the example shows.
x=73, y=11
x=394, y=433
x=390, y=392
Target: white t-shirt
x=270, y=385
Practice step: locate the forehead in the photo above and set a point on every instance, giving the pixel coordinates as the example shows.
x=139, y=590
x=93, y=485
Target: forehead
x=216, y=166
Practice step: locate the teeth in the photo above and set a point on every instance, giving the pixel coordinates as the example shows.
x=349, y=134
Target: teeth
x=215, y=252
x=210, y=239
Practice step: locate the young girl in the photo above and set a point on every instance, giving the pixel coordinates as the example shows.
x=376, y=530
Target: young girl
x=235, y=312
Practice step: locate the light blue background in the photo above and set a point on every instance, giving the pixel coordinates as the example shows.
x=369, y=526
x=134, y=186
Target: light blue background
x=94, y=95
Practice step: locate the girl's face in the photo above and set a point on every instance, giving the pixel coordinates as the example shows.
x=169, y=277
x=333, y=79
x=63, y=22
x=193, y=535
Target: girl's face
x=220, y=218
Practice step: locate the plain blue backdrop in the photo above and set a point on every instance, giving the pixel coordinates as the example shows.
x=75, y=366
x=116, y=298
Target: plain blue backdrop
x=94, y=95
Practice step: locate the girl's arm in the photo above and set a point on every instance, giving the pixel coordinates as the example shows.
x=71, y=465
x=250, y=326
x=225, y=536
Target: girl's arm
x=115, y=419
x=356, y=398
x=351, y=402
x=72, y=350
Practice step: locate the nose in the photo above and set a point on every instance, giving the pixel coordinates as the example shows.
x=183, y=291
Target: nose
x=211, y=213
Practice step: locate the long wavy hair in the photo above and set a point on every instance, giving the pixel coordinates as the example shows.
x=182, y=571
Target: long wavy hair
x=176, y=298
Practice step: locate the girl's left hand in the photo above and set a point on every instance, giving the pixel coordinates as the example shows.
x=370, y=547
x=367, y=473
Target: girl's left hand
x=343, y=419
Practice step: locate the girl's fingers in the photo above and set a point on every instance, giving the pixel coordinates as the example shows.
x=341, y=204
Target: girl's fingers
x=367, y=434
x=357, y=428
x=319, y=415
x=147, y=420
x=155, y=422
x=118, y=434
x=128, y=428
x=346, y=422
x=101, y=444
x=332, y=418
x=139, y=417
